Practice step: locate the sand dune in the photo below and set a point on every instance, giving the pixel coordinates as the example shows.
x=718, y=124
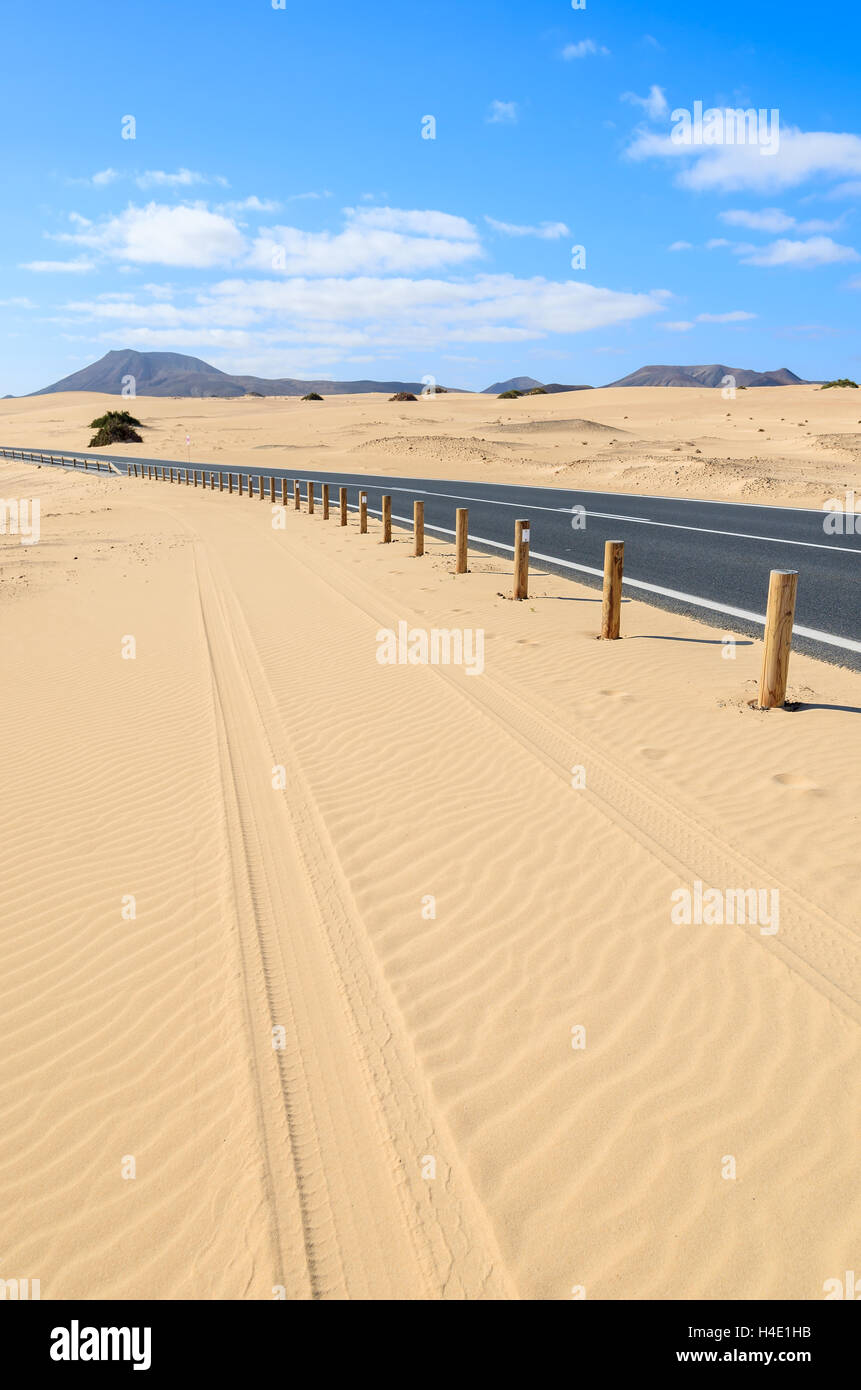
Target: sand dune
x=792, y=445
x=391, y=865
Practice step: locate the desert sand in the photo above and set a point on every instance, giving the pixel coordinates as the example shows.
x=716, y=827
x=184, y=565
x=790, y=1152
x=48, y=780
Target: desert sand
x=788, y=446
x=369, y=973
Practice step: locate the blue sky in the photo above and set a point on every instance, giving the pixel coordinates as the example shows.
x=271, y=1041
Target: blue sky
x=278, y=211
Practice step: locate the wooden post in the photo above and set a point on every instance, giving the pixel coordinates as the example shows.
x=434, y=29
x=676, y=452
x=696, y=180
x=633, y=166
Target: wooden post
x=779, y=617
x=261, y=485
x=230, y=483
x=297, y=501
x=521, y=559
x=342, y=505
x=387, y=520
x=239, y=483
x=194, y=471
x=283, y=492
x=309, y=488
x=460, y=529
x=363, y=513
x=212, y=482
x=611, y=604
x=221, y=482
x=325, y=501
x=250, y=487
x=419, y=528
x=271, y=489
x=187, y=478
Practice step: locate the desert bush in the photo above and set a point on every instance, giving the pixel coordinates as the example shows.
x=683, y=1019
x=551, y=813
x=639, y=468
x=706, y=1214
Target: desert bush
x=403, y=396
x=115, y=432
x=842, y=381
x=120, y=417
x=509, y=395
x=312, y=396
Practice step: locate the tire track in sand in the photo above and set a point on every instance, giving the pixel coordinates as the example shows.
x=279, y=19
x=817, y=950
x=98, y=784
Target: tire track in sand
x=353, y=1117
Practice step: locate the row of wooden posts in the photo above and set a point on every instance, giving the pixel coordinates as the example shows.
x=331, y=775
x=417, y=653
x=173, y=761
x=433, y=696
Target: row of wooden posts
x=780, y=612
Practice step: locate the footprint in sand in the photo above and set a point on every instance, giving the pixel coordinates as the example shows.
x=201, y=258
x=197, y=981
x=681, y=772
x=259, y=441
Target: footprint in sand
x=796, y=782
x=653, y=754
x=615, y=694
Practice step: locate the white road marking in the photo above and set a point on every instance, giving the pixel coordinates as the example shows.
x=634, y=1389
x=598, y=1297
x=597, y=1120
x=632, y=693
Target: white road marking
x=846, y=643
x=638, y=520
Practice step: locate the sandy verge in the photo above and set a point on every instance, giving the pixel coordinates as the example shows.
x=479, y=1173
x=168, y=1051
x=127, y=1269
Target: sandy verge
x=785, y=446
x=397, y=866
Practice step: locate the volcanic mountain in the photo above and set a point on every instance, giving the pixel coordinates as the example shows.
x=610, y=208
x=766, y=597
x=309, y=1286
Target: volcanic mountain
x=712, y=375
x=175, y=374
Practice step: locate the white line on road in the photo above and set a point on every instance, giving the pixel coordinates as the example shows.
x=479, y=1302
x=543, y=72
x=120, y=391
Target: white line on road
x=814, y=635
x=618, y=516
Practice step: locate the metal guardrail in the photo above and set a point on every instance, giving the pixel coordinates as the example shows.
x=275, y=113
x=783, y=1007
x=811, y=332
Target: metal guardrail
x=59, y=460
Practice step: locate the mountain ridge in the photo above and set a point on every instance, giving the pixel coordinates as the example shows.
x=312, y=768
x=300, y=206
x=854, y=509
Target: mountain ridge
x=178, y=374
x=711, y=375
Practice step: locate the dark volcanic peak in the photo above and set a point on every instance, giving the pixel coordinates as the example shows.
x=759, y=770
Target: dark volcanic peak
x=175, y=374
x=528, y=383
x=712, y=375
x=514, y=383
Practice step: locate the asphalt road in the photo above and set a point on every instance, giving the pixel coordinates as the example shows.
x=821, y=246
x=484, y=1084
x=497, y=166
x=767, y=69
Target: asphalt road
x=707, y=559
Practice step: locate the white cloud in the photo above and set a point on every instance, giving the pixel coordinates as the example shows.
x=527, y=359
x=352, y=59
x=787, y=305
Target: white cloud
x=548, y=231
x=679, y=326
x=734, y=316
x=846, y=190
x=654, y=105
x=799, y=157
x=765, y=220
x=104, y=176
x=415, y=222
x=187, y=235
x=680, y=246
x=371, y=313
x=17, y=302
x=183, y=178
x=816, y=250
x=374, y=241
x=77, y=267
x=502, y=113
x=252, y=204
x=584, y=49
x=774, y=220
